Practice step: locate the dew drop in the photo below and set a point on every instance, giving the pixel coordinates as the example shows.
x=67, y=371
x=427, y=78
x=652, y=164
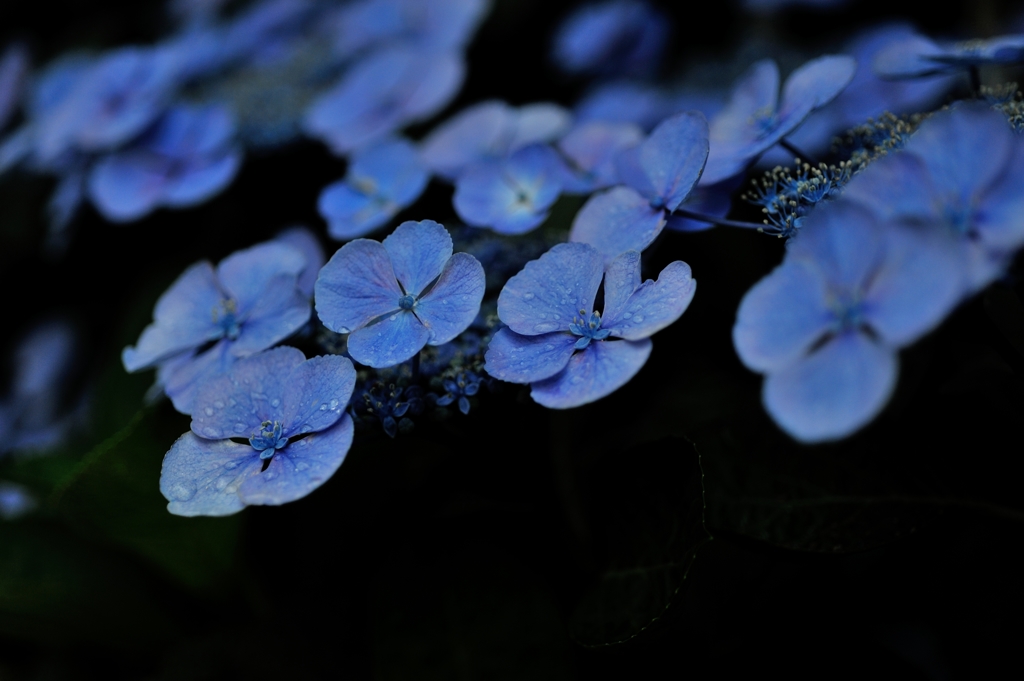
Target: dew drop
x=334, y=404
x=182, y=491
x=221, y=484
x=638, y=319
x=219, y=404
x=323, y=407
x=528, y=296
x=391, y=318
x=301, y=466
x=239, y=427
x=209, y=411
x=344, y=329
x=627, y=315
x=211, y=432
x=275, y=403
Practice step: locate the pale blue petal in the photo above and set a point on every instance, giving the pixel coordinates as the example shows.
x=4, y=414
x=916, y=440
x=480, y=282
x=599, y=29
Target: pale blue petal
x=617, y=221
x=126, y=186
x=201, y=477
x=281, y=311
x=592, y=149
x=845, y=241
x=998, y=219
x=714, y=200
x=474, y=134
x=188, y=131
x=251, y=391
x=895, y=186
x=654, y=305
x=630, y=172
x=537, y=123
x=917, y=286
x=183, y=377
x=390, y=341
x=351, y=213
x=300, y=467
x=782, y=316
x=818, y=81
x=625, y=102
x=201, y=179
x=316, y=394
x=356, y=286
x=247, y=274
x=756, y=93
x=673, y=156
x=550, y=291
x=391, y=169
x=418, y=251
x=525, y=359
x=833, y=392
x=304, y=241
x=908, y=58
x=451, y=305
x=601, y=369
x=183, y=319
x=621, y=278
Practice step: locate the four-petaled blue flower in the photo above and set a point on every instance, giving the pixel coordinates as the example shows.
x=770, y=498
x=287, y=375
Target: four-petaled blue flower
x=961, y=173
x=826, y=324
x=292, y=412
x=754, y=120
x=658, y=175
x=184, y=160
x=382, y=180
x=381, y=94
x=557, y=342
x=395, y=297
x=511, y=196
x=247, y=304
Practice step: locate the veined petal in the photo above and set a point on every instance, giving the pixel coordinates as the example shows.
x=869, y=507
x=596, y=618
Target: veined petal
x=525, y=359
x=599, y=370
x=818, y=81
x=617, y=221
x=247, y=274
x=202, y=477
x=451, y=305
x=418, y=251
x=356, y=286
x=281, y=311
x=621, y=278
x=673, y=156
x=202, y=179
x=654, y=304
x=388, y=342
x=316, y=393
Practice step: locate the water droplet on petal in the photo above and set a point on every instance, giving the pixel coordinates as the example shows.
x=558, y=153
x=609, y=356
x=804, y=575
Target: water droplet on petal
x=627, y=315
x=275, y=403
x=182, y=491
x=221, y=484
x=528, y=296
x=334, y=404
x=301, y=466
x=209, y=411
x=211, y=432
x=323, y=407
x=638, y=319
x=219, y=404
x=239, y=427
x=344, y=329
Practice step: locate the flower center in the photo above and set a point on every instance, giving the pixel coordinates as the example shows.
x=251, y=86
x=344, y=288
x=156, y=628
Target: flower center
x=225, y=316
x=959, y=217
x=764, y=120
x=588, y=330
x=268, y=439
x=407, y=302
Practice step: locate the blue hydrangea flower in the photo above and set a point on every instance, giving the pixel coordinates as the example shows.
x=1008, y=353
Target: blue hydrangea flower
x=659, y=175
x=247, y=304
x=395, y=297
x=381, y=181
x=556, y=341
x=510, y=196
x=624, y=37
x=383, y=93
x=755, y=120
x=591, y=149
x=961, y=173
x=15, y=501
x=292, y=412
x=826, y=324
x=108, y=103
x=490, y=130
x=434, y=25
x=184, y=160
x=915, y=55
x=459, y=388
x=388, y=404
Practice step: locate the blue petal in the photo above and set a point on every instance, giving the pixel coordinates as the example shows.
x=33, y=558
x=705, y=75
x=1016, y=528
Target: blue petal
x=673, y=156
x=185, y=373
x=895, y=186
x=201, y=179
x=998, y=222
x=188, y=131
x=281, y=311
x=818, y=81
x=304, y=241
x=917, y=285
x=418, y=251
x=356, y=286
x=126, y=186
x=621, y=278
x=300, y=467
x=908, y=58
x=251, y=391
x=537, y=123
x=617, y=221
x=845, y=241
x=525, y=359
x=833, y=392
x=393, y=168
x=757, y=92
x=379, y=95
x=782, y=316
x=472, y=135
x=625, y=102
x=316, y=394
x=202, y=477
x=182, y=319
x=631, y=173
x=388, y=342
x=654, y=305
x=550, y=291
x=246, y=274
x=451, y=305
x=592, y=149
x=714, y=200
x=351, y=213
x=601, y=369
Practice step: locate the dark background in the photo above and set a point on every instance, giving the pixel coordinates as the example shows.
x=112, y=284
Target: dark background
x=519, y=542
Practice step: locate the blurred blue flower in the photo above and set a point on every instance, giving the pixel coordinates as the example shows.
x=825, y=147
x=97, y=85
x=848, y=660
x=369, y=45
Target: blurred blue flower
x=591, y=149
x=962, y=174
x=15, y=501
x=395, y=297
x=659, y=175
x=490, y=130
x=247, y=304
x=915, y=55
x=633, y=102
x=188, y=157
x=755, y=120
x=381, y=94
x=513, y=195
x=381, y=181
x=291, y=410
x=570, y=353
x=14, y=65
x=434, y=25
x=306, y=243
x=619, y=37
x=826, y=324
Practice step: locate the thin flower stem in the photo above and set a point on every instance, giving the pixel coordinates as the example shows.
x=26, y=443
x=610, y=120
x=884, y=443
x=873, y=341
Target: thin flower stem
x=694, y=215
